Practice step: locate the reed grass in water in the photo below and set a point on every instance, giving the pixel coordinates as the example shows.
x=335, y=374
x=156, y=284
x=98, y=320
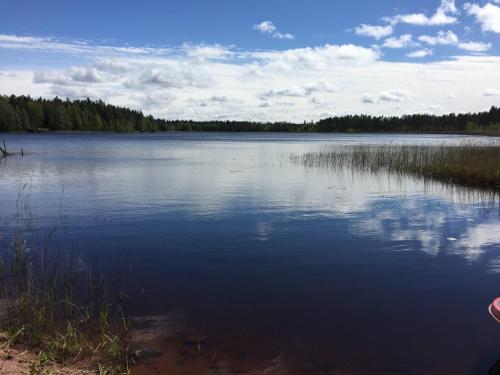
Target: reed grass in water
x=467, y=164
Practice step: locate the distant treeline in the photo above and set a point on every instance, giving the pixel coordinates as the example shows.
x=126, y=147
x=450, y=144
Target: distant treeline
x=22, y=113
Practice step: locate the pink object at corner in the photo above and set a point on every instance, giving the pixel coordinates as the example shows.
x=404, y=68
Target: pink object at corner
x=494, y=309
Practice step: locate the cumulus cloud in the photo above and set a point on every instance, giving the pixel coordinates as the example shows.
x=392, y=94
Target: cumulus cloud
x=171, y=75
x=444, y=15
x=403, y=41
x=377, y=32
x=278, y=35
x=298, y=92
x=318, y=101
x=450, y=38
x=317, y=57
x=268, y=27
x=282, y=92
x=113, y=65
x=394, y=96
x=474, y=46
x=219, y=99
x=89, y=74
x=491, y=92
x=73, y=75
x=204, y=51
x=77, y=92
x=442, y=38
x=369, y=99
x=57, y=78
x=488, y=16
x=318, y=87
x=421, y=53
x=150, y=99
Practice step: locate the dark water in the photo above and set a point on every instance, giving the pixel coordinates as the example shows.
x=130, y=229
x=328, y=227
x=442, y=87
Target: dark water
x=259, y=253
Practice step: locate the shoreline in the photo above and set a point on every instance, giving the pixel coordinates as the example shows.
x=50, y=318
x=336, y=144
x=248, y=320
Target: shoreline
x=463, y=133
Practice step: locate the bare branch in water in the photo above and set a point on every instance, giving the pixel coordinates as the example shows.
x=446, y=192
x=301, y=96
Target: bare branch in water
x=4, y=149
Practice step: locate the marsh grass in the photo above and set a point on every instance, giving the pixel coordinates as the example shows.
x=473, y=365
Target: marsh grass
x=51, y=302
x=467, y=164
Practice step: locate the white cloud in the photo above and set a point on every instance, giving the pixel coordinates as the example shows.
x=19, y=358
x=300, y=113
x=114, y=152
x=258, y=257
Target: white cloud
x=377, y=32
x=444, y=15
x=448, y=6
x=298, y=92
x=57, y=78
x=319, y=86
x=278, y=35
x=488, y=16
x=474, y=46
x=268, y=27
x=318, y=101
x=149, y=100
x=421, y=53
x=491, y=92
x=72, y=76
x=89, y=74
x=283, y=92
x=208, y=82
x=52, y=45
x=394, y=96
x=219, y=99
x=450, y=38
x=403, y=41
x=442, y=38
x=113, y=65
x=369, y=99
x=204, y=51
x=265, y=27
x=77, y=92
x=316, y=57
x=172, y=75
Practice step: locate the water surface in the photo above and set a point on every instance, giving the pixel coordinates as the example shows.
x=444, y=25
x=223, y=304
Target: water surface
x=269, y=257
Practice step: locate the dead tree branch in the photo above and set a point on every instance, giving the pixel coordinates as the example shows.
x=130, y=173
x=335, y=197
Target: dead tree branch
x=4, y=149
x=4, y=153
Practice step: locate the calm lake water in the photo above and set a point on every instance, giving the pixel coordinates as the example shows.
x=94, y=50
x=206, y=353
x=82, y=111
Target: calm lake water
x=265, y=256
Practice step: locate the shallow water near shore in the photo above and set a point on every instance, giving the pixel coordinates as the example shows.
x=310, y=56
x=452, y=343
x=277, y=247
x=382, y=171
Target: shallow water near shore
x=223, y=236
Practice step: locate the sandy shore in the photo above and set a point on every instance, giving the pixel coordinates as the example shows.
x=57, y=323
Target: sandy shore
x=17, y=361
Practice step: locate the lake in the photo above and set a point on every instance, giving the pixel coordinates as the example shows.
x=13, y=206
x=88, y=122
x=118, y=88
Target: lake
x=270, y=260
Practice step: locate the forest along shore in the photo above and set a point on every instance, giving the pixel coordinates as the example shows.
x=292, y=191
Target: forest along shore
x=23, y=113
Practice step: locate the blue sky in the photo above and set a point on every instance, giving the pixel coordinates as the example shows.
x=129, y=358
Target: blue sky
x=262, y=60
x=175, y=22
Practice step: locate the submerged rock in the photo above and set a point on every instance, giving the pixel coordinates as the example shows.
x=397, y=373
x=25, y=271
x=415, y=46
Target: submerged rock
x=146, y=355
x=149, y=328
